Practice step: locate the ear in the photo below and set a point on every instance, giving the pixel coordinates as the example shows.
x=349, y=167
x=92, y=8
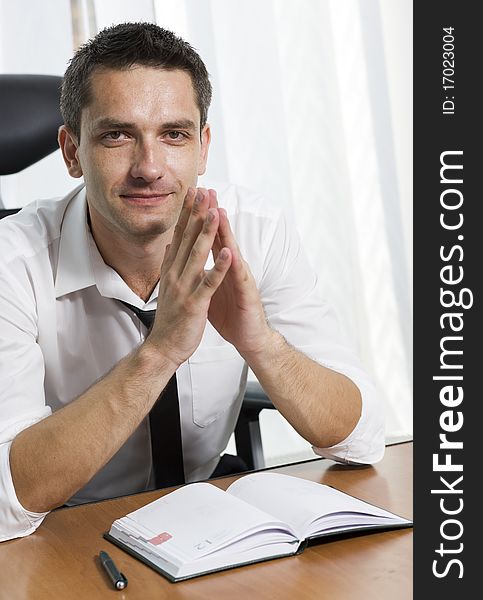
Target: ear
x=68, y=144
x=205, y=144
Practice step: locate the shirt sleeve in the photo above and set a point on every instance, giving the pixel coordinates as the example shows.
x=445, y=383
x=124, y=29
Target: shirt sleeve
x=295, y=308
x=22, y=400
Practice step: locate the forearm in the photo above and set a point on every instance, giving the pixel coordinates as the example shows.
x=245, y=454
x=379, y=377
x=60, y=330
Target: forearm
x=322, y=405
x=54, y=458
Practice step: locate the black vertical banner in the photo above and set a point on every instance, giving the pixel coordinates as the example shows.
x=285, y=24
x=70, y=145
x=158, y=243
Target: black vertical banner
x=448, y=363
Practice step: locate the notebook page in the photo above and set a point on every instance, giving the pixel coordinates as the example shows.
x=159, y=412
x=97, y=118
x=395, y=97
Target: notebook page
x=195, y=520
x=298, y=501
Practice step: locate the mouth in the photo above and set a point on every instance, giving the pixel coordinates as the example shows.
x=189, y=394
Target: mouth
x=146, y=199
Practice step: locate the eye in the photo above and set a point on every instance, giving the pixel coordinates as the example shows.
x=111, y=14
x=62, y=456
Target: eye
x=176, y=136
x=114, y=135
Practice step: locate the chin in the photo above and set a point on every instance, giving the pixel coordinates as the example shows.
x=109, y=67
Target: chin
x=150, y=230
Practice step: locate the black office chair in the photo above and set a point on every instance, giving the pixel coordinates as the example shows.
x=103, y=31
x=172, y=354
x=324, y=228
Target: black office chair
x=248, y=437
x=30, y=117
x=29, y=120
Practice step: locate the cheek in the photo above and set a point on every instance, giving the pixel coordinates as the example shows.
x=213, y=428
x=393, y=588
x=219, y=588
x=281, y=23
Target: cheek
x=183, y=164
x=102, y=170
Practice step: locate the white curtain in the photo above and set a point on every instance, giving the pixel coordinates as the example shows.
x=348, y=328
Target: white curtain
x=313, y=108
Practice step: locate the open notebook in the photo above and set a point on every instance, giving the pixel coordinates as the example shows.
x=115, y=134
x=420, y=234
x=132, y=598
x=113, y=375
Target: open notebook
x=198, y=529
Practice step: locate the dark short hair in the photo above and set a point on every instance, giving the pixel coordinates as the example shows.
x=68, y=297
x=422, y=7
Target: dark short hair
x=121, y=47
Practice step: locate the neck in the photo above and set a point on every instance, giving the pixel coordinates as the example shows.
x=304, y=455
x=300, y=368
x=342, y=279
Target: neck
x=137, y=261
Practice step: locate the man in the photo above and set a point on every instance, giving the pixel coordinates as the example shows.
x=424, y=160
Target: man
x=80, y=372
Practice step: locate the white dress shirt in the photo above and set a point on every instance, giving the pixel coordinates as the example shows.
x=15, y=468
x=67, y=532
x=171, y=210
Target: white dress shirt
x=62, y=328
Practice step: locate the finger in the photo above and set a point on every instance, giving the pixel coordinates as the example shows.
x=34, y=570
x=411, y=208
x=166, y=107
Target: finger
x=180, y=227
x=214, y=277
x=214, y=204
x=227, y=237
x=196, y=219
x=217, y=246
x=167, y=253
x=213, y=198
x=201, y=248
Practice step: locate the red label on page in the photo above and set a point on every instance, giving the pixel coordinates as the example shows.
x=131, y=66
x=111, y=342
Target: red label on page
x=160, y=539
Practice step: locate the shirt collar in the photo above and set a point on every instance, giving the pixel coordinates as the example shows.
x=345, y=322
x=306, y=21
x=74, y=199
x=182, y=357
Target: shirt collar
x=74, y=270
x=111, y=285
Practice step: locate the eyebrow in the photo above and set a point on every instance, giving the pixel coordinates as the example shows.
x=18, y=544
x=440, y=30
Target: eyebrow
x=108, y=123
x=180, y=124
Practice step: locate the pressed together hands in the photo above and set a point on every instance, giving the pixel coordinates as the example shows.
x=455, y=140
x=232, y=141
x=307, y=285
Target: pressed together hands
x=188, y=295
x=321, y=404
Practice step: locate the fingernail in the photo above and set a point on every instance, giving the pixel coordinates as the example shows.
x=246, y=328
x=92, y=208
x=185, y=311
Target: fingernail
x=210, y=216
x=198, y=197
x=223, y=254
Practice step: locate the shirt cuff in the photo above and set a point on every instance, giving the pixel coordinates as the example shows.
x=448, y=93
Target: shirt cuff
x=365, y=445
x=15, y=520
x=353, y=451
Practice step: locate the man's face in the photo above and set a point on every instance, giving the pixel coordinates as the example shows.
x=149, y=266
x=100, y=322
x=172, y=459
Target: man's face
x=140, y=149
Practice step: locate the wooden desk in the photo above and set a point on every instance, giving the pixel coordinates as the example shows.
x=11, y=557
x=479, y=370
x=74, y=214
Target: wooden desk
x=59, y=560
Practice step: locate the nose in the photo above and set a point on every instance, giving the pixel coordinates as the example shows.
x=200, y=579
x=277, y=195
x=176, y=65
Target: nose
x=148, y=162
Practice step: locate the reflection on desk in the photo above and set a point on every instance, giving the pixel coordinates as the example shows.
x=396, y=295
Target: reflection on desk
x=60, y=560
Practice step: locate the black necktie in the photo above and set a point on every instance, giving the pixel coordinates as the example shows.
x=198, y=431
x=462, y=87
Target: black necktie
x=164, y=424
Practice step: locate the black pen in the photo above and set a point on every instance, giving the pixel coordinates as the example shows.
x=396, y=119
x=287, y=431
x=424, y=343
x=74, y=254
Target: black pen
x=117, y=578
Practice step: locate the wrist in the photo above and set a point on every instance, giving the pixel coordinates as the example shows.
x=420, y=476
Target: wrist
x=270, y=344
x=153, y=361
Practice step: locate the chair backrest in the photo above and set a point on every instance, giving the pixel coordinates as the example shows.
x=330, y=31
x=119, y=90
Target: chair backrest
x=29, y=119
